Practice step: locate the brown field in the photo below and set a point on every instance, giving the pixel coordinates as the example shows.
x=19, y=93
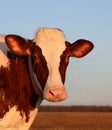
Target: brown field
x=73, y=121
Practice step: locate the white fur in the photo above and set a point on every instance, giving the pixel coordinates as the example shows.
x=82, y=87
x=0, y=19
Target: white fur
x=3, y=60
x=2, y=38
x=14, y=121
x=52, y=43
x=3, y=51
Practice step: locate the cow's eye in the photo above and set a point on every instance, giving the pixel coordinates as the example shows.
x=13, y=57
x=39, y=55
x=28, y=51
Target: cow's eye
x=36, y=58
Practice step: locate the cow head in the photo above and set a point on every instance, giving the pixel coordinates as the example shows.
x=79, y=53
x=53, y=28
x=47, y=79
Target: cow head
x=50, y=52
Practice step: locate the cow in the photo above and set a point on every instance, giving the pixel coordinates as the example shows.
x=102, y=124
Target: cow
x=32, y=70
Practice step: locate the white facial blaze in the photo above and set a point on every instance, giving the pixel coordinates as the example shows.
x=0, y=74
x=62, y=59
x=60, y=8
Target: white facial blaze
x=52, y=43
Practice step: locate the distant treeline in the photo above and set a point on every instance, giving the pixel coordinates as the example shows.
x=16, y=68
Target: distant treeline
x=75, y=109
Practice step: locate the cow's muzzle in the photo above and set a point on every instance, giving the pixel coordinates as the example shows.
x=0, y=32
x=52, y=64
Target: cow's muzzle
x=55, y=94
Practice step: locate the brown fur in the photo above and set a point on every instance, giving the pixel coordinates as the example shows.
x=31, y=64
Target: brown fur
x=16, y=88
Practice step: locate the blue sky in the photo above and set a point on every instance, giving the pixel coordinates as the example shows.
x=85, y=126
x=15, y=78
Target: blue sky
x=89, y=79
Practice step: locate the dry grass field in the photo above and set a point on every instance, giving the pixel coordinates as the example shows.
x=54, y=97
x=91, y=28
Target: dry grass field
x=73, y=121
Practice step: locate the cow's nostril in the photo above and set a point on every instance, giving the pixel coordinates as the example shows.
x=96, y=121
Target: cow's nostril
x=50, y=91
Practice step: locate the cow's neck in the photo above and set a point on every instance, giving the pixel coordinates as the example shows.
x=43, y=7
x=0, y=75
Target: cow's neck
x=35, y=83
x=20, y=90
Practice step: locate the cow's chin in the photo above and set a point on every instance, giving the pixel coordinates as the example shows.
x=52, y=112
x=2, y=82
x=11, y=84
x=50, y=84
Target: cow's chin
x=55, y=94
x=55, y=100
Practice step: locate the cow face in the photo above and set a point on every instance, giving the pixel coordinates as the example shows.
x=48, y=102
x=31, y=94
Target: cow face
x=50, y=53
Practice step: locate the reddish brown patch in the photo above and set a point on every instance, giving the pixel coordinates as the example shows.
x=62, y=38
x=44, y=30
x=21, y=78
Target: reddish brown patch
x=16, y=88
x=64, y=60
x=40, y=66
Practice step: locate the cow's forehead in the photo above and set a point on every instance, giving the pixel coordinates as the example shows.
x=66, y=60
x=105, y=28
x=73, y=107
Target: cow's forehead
x=51, y=41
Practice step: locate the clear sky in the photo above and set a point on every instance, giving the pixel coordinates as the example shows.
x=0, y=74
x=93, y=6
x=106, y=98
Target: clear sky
x=89, y=79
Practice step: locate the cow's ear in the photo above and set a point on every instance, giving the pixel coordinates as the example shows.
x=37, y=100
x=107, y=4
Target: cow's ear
x=80, y=48
x=18, y=45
